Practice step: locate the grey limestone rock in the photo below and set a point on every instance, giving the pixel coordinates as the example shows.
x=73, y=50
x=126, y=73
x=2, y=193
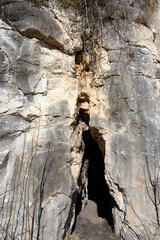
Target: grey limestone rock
x=49, y=102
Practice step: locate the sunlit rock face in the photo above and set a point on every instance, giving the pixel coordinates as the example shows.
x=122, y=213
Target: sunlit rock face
x=64, y=87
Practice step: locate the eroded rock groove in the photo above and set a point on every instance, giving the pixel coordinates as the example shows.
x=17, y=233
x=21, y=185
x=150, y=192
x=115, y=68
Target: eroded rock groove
x=94, y=204
x=98, y=190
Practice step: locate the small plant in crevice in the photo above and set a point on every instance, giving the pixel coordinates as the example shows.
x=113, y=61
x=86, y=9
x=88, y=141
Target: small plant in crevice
x=72, y=3
x=117, y=237
x=39, y=3
x=71, y=238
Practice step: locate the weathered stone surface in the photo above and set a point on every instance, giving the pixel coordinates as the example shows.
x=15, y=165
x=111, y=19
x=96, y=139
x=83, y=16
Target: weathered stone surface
x=90, y=226
x=47, y=102
x=35, y=23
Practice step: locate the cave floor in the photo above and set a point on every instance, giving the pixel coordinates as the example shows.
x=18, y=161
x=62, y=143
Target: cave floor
x=89, y=226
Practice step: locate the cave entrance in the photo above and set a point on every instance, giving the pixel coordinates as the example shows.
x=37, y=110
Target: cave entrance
x=93, y=216
x=98, y=190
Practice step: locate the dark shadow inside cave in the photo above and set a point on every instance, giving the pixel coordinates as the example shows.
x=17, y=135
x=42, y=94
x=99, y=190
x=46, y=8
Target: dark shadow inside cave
x=98, y=190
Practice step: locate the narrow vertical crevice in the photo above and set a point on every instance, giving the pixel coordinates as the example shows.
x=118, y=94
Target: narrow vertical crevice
x=93, y=190
x=98, y=190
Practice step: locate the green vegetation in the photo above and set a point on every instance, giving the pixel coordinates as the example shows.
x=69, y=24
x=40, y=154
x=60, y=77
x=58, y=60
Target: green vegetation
x=38, y=3
x=117, y=237
x=71, y=238
x=72, y=3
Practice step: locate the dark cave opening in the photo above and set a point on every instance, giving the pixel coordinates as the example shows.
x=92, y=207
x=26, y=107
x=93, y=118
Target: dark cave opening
x=98, y=190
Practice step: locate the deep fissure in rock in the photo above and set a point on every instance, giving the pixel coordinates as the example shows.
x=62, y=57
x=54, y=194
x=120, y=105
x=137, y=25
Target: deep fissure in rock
x=97, y=188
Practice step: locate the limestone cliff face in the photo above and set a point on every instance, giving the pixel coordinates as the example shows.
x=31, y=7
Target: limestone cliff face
x=61, y=84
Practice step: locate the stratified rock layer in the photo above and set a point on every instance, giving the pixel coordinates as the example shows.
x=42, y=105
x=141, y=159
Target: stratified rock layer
x=50, y=94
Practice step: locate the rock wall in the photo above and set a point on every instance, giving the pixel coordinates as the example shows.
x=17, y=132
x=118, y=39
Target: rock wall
x=59, y=79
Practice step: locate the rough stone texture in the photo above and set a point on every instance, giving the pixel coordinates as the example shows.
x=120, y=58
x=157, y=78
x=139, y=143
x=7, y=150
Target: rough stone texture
x=90, y=226
x=39, y=80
